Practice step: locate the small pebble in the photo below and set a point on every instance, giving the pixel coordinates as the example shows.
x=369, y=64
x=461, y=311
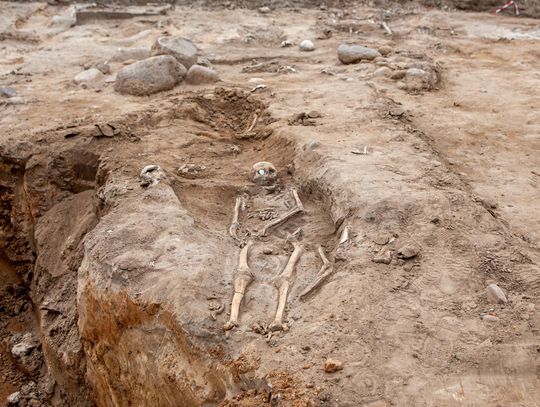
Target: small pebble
x=495, y=294
x=332, y=365
x=408, y=251
x=307, y=45
x=490, y=318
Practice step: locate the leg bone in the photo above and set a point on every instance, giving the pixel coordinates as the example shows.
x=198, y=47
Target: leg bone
x=241, y=281
x=325, y=271
x=285, y=282
x=233, y=230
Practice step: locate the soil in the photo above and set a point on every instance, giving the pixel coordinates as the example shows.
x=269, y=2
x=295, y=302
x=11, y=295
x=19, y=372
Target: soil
x=122, y=290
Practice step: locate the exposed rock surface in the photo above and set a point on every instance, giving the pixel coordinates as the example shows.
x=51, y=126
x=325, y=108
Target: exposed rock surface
x=182, y=49
x=351, y=54
x=198, y=75
x=150, y=76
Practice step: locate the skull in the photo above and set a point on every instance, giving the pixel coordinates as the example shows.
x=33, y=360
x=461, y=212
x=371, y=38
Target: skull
x=263, y=173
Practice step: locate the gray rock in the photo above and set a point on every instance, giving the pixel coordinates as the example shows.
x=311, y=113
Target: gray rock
x=182, y=49
x=306, y=45
x=408, y=251
x=7, y=92
x=198, y=75
x=14, y=398
x=150, y=76
x=351, y=54
x=495, y=294
x=90, y=77
x=126, y=54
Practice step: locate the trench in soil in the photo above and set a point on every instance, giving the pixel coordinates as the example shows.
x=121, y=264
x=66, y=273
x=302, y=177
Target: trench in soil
x=234, y=133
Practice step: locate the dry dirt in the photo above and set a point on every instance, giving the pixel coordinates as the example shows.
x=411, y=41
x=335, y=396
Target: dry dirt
x=116, y=286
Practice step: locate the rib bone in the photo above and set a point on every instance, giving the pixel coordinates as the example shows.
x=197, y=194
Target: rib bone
x=285, y=281
x=325, y=271
x=287, y=215
x=243, y=278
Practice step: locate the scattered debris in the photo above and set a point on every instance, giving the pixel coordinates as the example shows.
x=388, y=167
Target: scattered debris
x=351, y=54
x=149, y=76
x=304, y=119
x=198, y=75
x=332, y=365
x=191, y=171
x=151, y=175
x=495, y=294
x=182, y=49
x=106, y=130
x=307, y=46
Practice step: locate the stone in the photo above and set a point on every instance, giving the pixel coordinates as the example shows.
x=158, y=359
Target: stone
x=264, y=10
x=180, y=48
x=7, y=92
x=332, y=365
x=495, y=294
x=490, y=318
x=385, y=50
x=104, y=68
x=89, y=77
x=398, y=74
x=382, y=72
x=150, y=76
x=14, y=398
x=351, y=54
x=198, y=75
x=127, y=54
x=307, y=46
x=408, y=251
x=384, y=257
x=311, y=145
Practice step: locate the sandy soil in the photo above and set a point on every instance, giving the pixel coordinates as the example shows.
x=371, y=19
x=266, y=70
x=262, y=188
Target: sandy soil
x=452, y=167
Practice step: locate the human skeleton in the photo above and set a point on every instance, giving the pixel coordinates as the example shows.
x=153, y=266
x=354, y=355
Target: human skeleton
x=265, y=175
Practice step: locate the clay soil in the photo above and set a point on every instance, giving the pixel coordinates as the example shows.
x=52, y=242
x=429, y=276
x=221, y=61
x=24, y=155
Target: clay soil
x=122, y=286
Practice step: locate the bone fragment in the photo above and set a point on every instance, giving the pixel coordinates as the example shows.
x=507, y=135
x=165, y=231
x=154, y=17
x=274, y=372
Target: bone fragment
x=344, y=235
x=285, y=283
x=325, y=271
x=233, y=230
x=386, y=28
x=242, y=279
x=286, y=216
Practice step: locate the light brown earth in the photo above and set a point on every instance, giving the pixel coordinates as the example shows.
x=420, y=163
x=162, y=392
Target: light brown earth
x=119, y=282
